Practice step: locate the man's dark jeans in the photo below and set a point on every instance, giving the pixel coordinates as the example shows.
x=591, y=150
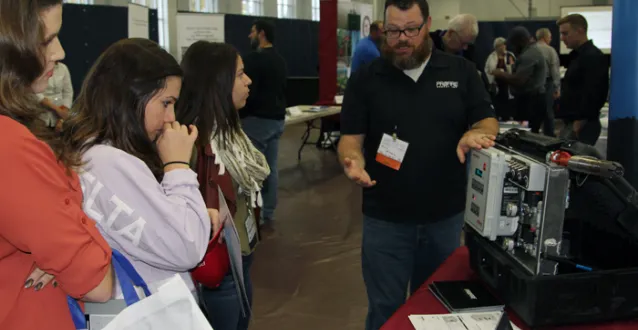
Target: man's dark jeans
x=395, y=255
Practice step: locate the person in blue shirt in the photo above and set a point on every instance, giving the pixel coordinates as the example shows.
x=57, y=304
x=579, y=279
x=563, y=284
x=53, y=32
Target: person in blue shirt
x=368, y=48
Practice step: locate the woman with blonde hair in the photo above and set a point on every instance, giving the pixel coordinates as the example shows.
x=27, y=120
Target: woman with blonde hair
x=501, y=59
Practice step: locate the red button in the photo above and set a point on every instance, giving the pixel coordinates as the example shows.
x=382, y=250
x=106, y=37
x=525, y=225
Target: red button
x=83, y=220
x=67, y=201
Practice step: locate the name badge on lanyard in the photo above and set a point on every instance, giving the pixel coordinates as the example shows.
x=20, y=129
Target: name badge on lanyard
x=251, y=228
x=391, y=151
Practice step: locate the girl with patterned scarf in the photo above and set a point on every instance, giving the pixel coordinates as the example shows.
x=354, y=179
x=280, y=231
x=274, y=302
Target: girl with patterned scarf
x=215, y=87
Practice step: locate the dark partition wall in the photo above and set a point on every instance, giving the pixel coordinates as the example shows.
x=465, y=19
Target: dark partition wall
x=296, y=40
x=153, y=25
x=302, y=91
x=88, y=30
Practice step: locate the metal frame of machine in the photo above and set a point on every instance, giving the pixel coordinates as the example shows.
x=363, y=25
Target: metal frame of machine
x=518, y=203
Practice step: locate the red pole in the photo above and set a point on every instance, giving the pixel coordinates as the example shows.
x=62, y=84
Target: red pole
x=328, y=52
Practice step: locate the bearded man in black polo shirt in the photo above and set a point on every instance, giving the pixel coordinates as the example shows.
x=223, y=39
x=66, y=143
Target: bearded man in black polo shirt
x=408, y=120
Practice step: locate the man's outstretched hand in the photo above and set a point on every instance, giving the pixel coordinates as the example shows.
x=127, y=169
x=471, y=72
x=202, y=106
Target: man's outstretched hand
x=355, y=172
x=473, y=139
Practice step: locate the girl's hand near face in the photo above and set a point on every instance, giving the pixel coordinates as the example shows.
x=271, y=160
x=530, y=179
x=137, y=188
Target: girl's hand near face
x=176, y=144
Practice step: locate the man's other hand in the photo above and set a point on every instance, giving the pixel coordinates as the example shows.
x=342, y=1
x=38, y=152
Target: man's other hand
x=356, y=173
x=473, y=139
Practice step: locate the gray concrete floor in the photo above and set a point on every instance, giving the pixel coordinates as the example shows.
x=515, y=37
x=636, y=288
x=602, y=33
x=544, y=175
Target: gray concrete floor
x=308, y=274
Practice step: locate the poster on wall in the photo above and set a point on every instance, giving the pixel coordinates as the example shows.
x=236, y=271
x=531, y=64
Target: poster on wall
x=137, y=21
x=195, y=27
x=365, y=11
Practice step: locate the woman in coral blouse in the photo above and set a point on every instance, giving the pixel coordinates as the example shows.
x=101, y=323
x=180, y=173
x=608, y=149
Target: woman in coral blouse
x=42, y=225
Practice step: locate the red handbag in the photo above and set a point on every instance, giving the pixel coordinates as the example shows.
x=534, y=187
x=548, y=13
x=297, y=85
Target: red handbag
x=215, y=265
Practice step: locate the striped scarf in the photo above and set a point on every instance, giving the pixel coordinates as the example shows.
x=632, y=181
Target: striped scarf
x=245, y=164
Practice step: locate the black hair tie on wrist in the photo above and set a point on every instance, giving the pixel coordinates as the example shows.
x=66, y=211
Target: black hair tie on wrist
x=177, y=162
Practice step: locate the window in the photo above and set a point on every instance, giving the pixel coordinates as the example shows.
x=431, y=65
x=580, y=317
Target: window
x=80, y=2
x=162, y=23
x=204, y=6
x=252, y=7
x=162, y=18
x=147, y=3
x=316, y=10
x=286, y=9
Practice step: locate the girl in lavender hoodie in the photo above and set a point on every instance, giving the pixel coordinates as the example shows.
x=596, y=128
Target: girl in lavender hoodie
x=136, y=179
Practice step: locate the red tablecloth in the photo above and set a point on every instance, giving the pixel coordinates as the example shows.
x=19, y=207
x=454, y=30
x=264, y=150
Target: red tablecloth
x=456, y=268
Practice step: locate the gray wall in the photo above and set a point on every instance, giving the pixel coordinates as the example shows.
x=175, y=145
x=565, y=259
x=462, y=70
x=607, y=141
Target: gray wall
x=440, y=10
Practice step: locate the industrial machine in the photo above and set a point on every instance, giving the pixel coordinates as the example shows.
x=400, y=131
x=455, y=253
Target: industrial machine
x=518, y=203
x=552, y=229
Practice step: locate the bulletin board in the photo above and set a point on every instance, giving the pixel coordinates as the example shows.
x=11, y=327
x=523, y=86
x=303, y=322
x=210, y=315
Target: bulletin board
x=192, y=27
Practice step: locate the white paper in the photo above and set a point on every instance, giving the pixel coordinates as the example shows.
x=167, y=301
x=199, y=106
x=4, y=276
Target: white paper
x=392, y=148
x=251, y=227
x=460, y=321
x=137, y=21
x=365, y=11
x=194, y=27
x=294, y=111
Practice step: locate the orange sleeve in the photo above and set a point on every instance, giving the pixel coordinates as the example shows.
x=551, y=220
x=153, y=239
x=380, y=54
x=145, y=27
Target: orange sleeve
x=41, y=214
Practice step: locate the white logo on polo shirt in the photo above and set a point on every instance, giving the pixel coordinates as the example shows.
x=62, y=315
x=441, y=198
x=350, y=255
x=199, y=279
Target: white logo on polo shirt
x=447, y=84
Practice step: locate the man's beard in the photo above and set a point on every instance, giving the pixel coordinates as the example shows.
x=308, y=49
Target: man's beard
x=254, y=44
x=419, y=54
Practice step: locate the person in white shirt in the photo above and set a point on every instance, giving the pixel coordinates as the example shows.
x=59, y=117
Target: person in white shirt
x=501, y=59
x=58, y=96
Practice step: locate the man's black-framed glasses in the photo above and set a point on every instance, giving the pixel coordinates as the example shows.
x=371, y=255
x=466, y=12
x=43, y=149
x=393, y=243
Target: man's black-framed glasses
x=410, y=32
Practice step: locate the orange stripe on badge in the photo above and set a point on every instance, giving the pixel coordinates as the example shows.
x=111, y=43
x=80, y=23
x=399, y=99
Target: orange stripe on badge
x=389, y=162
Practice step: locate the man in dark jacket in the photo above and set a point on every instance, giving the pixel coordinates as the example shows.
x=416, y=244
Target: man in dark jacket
x=586, y=84
x=527, y=82
x=459, y=39
x=265, y=112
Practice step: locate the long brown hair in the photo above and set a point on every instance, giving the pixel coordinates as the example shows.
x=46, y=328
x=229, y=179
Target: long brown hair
x=111, y=104
x=22, y=60
x=206, y=98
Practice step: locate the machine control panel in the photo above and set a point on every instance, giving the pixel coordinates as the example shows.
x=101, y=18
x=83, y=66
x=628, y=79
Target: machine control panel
x=485, y=212
x=507, y=203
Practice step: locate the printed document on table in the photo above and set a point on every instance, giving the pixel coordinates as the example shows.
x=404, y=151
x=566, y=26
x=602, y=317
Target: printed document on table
x=460, y=321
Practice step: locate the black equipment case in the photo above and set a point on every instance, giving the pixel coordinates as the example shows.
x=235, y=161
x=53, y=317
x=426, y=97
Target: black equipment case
x=597, y=232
